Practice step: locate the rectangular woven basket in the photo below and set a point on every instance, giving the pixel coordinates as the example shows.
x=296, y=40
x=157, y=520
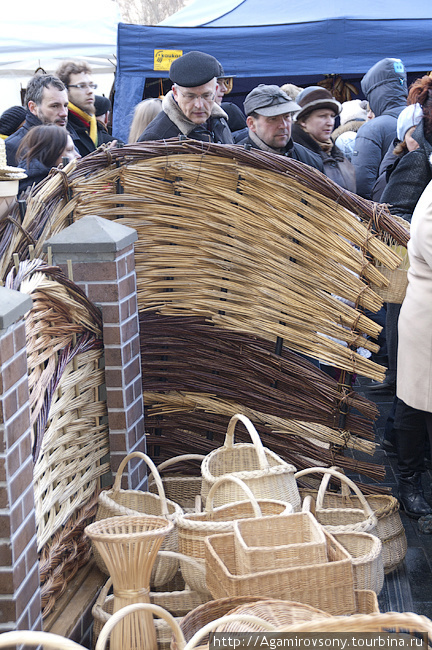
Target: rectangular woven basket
x=328, y=586
x=281, y=541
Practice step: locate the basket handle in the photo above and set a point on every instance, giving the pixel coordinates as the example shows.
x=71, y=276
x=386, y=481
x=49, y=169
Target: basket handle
x=153, y=469
x=229, y=618
x=37, y=638
x=136, y=607
x=308, y=504
x=332, y=472
x=233, y=479
x=179, y=459
x=256, y=440
x=200, y=568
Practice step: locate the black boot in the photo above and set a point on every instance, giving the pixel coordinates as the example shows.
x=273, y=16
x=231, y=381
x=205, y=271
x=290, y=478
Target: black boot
x=411, y=496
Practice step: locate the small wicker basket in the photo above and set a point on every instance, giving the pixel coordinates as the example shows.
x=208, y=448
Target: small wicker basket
x=117, y=502
x=265, y=473
x=366, y=554
x=180, y=488
x=280, y=541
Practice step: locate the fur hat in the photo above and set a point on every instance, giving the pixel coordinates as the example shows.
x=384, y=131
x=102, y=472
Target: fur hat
x=102, y=105
x=268, y=101
x=313, y=98
x=356, y=109
x=11, y=119
x=194, y=69
x=410, y=116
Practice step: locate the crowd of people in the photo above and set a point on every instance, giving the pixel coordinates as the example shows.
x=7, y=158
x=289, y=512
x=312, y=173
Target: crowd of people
x=381, y=149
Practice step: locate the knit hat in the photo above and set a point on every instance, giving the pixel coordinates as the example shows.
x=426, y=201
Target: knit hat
x=356, y=109
x=102, y=105
x=268, y=101
x=11, y=119
x=313, y=98
x=194, y=69
x=410, y=116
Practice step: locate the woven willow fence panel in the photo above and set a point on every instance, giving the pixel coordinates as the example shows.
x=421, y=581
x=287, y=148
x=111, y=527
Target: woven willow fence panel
x=251, y=245
x=68, y=418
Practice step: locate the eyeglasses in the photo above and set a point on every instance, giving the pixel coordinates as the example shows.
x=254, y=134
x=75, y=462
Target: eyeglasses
x=190, y=97
x=83, y=86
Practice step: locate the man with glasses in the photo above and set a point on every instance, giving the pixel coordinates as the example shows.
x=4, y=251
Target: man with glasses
x=189, y=109
x=87, y=133
x=46, y=101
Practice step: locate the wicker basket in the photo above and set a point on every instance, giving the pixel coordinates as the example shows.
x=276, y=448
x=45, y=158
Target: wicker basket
x=278, y=612
x=328, y=586
x=340, y=517
x=366, y=553
x=397, y=278
x=389, y=527
x=36, y=638
x=193, y=528
x=177, y=603
x=180, y=488
x=266, y=474
x=394, y=622
x=280, y=541
x=129, y=546
x=117, y=502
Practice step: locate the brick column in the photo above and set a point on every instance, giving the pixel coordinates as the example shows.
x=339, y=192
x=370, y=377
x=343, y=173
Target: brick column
x=20, y=602
x=103, y=264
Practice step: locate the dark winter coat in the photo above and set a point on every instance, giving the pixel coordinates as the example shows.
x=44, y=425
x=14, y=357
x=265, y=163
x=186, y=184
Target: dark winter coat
x=336, y=166
x=80, y=135
x=292, y=150
x=409, y=178
x=13, y=141
x=35, y=171
x=386, y=90
x=388, y=164
x=171, y=122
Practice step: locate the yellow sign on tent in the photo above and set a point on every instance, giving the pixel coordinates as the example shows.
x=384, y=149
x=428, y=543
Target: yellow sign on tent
x=164, y=58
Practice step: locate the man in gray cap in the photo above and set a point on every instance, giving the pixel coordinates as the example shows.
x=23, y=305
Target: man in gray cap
x=269, y=117
x=189, y=109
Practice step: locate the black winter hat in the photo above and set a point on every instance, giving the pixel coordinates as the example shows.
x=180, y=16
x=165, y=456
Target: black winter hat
x=194, y=69
x=11, y=119
x=102, y=105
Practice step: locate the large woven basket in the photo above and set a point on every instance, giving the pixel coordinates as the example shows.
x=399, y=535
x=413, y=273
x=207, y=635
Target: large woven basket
x=279, y=542
x=366, y=553
x=117, y=502
x=328, y=586
x=389, y=527
x=265, y=473
x=193, y=528
x=180, y=488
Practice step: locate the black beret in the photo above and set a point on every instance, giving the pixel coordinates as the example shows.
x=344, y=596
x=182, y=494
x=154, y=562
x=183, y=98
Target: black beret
x=194, y=69
x=102, y=105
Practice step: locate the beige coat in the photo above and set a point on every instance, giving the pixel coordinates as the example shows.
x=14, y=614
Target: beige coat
x=414, y=369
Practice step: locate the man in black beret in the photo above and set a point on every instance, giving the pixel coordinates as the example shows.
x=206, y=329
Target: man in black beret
x=269, y=117
x=189, y=109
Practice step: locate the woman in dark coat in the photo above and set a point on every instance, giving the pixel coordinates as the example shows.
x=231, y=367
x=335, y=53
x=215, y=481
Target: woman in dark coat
x=42, y=148
x=313, y=128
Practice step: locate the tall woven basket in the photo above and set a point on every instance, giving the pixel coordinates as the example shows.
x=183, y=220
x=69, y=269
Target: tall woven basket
x=263, y=471
x=117, y=502
x=129, y=546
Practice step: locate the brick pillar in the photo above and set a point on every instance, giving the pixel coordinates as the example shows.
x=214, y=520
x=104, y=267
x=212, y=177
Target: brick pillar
x=20, y=601
x=103, y=264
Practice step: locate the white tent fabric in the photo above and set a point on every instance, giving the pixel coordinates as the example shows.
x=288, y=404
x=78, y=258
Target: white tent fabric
x=41, y=33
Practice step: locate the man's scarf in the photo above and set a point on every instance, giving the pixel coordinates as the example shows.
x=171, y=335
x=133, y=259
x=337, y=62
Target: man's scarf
x=88, y=120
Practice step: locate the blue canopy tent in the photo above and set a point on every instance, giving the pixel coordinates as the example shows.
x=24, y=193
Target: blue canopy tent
x=274, y=41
